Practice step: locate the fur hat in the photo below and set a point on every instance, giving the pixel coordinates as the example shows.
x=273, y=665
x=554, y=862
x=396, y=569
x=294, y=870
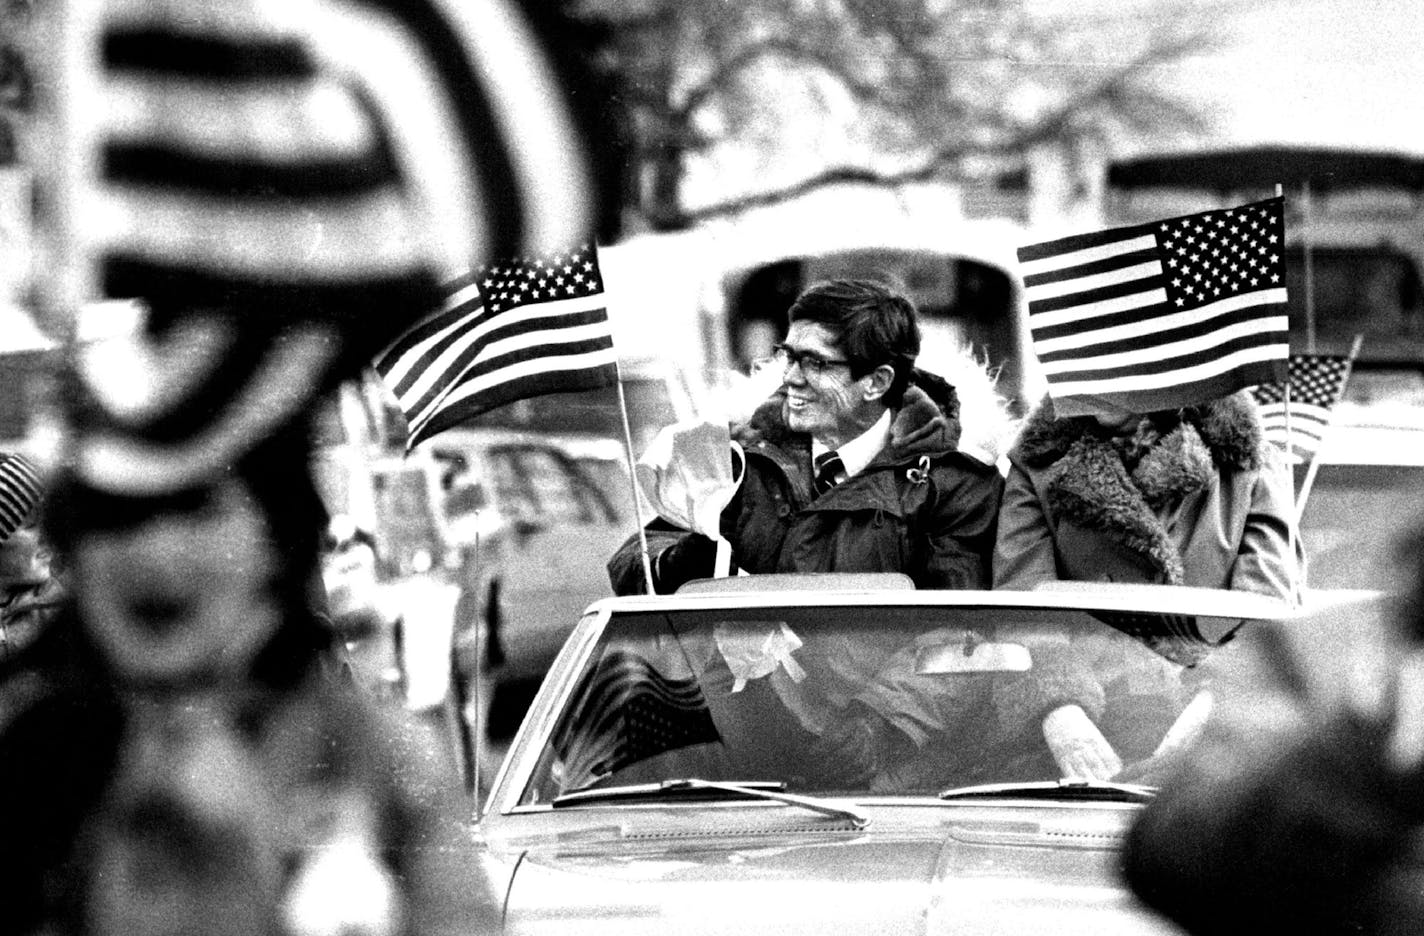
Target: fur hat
x=19, y=492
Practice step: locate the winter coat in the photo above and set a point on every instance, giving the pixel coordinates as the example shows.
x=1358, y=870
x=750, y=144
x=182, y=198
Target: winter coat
x=1287, y=815
x=1208, y=503
x=920, y=507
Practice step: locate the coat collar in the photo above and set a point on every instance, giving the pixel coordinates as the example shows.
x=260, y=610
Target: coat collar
x=1088, y=483
x=922, y=425
x=1228, y=426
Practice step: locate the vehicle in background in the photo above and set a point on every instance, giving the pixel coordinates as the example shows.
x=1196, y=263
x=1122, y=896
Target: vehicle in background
x=694, y=762
x=713, y=299
x=1354, y=256
x=964, y=298
x=392, y=573
x=492, y=535
x=658, y=391
x=961, y=274
x=536, y=518
x=537, y=496
x=1354, y=235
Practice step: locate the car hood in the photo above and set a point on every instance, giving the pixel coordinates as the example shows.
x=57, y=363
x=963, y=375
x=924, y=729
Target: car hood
x=1045, y=871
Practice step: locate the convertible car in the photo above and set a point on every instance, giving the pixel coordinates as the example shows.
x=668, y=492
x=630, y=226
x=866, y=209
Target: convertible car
x=848, y=755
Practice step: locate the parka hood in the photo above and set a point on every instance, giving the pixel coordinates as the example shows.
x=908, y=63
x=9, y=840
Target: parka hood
x=919, y=426
x=960, y=412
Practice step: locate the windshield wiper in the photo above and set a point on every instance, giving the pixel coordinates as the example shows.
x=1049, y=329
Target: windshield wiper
x=1068, y=788
x=754, y=789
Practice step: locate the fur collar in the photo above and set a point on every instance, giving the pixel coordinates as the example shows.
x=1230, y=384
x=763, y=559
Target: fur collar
x=1091, y=483
x=1228, y=426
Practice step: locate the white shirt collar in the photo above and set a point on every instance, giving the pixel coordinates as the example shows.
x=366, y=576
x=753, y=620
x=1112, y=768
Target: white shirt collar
x=858, y=452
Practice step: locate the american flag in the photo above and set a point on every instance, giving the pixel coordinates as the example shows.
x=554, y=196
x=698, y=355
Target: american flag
x=506, y=332
x=1162, y=315
x=1317, y=381
x=628, y=710
x=19, y=493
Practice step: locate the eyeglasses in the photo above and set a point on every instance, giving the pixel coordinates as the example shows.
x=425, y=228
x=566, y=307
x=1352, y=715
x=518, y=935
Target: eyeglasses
x=811, y=363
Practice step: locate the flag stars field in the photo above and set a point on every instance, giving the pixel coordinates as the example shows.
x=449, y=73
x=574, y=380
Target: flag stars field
x=1159, y=315
x=506, y=332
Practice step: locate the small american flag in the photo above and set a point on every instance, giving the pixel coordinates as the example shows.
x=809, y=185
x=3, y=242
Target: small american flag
x=19, y=493
x=1162, y=315
x=629, y=710
x=1317, y=381
x=506, y=332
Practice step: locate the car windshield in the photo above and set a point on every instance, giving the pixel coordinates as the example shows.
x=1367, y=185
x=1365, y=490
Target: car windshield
x=863, y=699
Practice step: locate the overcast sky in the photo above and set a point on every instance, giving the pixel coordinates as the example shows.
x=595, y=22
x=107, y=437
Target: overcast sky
x=1338, y=72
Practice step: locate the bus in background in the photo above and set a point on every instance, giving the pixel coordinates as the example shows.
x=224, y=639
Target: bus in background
x=961, y=274
x=1354, y=235
x=1354, y=255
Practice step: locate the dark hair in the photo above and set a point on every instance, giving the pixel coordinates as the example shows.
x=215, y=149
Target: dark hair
x=876, y=325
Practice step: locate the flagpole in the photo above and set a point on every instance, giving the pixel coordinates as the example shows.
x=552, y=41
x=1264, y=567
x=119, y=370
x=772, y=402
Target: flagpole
x=1309, y=272
x=1294, y=526
x=633, y=483
x=1315, y=462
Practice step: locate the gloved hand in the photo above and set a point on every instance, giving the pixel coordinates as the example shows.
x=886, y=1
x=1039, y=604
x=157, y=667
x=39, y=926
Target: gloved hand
x=689, y=558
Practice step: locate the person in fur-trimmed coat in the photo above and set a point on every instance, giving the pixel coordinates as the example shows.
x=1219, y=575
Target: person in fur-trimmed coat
x=1189, y=497
x=1195, y=497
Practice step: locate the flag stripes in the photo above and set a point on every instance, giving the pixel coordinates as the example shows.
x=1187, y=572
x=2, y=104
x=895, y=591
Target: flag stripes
x=1160, y=315
x=462, y=406
x=1306, y=432
x=626, y=710
x=19, y=493
x=506, y=332
x=1317, y=382
x=332, y=163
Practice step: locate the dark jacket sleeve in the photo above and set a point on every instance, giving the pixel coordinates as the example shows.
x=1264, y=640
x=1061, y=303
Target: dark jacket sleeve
x=1024, y=548
x=625, y=567
x=961, y=528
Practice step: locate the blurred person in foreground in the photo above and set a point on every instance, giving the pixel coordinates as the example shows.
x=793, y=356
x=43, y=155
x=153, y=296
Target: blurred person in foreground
x=852, y=465
x=29, y=593
x=1194, y=496
x=1300, y=809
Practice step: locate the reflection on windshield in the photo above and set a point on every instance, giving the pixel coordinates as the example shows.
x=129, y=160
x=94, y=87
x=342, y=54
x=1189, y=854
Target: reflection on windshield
x=880, y=700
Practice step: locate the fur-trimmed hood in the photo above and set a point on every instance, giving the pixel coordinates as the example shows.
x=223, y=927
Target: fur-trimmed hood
x=1228, y=426
x=919, y=426
x=960, y=410
x=1121, y=486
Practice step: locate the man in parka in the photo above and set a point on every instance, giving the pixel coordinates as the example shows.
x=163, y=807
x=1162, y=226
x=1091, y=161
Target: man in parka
x=851, y=466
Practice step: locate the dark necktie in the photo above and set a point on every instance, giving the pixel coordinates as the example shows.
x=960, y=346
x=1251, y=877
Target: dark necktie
x=828, y=466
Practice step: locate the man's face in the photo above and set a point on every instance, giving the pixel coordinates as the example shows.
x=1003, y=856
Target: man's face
x=825, y=402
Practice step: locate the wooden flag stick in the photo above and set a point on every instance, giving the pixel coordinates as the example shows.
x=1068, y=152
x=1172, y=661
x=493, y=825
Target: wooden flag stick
x=1294, y=526
x=633, y=485
x=1310, y=472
